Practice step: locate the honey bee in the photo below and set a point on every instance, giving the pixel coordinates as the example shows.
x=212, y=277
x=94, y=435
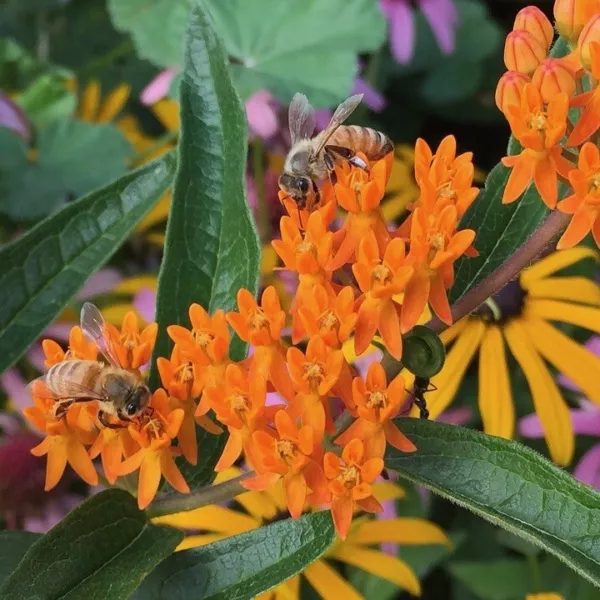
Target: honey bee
x=119, y=392
x=312, y=160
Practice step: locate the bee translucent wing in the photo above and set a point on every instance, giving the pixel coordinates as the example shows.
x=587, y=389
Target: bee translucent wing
x=302, y=118
x=342, y=112
x=69, y=391
x=94, y=327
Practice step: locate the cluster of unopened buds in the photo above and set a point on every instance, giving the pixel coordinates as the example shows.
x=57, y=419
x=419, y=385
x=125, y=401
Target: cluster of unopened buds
x=355, y=281
x=552, y=104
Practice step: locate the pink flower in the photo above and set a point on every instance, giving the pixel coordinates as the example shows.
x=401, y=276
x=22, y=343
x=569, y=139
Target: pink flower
x=441, y=15
x=261, y=109
x=158, y=88
x=145, y=303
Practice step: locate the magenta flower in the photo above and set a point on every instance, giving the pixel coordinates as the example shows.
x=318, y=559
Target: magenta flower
x=440, y=14
x=158, y=88
x=261, y=109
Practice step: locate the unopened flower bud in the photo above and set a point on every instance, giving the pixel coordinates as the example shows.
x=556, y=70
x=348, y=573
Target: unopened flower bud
x=523, y=52
x=572, y=15
x=552, y=77
x=532, y=19
x=509, y=89
x=589, y=34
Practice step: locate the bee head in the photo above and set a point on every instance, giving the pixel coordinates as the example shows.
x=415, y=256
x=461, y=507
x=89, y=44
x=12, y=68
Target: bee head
x=296, y=186
x=135, y=403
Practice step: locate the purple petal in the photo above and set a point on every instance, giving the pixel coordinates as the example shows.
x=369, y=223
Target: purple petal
x=16, y=388
x=158, y=88
x=531, y=426
x=99, y=283
x=593, y=345
x=436, y=13
x=35, y=355
x=372, y=98
x=586, y=422
x=363, y=363
x=588, y=468
x=402, y=28
x=251, y=192
x=58, y=331
x=145, y=303
x=12, y=117
x=456, y=416
x=9, y=423
x=323, y=117
x=262, y=116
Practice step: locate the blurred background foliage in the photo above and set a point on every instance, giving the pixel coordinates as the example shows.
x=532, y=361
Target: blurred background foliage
x=80, y=104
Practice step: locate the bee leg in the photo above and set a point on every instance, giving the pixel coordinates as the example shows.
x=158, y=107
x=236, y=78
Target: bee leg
x=103, y=420
x=348, y=155
x=61, y=409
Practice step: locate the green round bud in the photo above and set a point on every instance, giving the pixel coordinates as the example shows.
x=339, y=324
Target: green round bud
x=423, y=352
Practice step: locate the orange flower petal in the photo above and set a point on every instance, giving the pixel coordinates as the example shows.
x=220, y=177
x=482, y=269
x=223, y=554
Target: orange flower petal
x=341, y=511
x=149, y=479
x=295, y=493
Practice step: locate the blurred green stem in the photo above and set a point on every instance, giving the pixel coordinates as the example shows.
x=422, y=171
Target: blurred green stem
x=536, y=576
x=43, y=36
x=122, y=49
x=258, y=168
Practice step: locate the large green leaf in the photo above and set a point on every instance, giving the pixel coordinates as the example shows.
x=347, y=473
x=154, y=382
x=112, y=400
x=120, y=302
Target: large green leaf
x=74, y=157
x=501, y=229
x=102, y=549
x=308, y=46
x=243, y=566
x=212, y=248
x=13, y=545
x=41, y=271
x=509, y=485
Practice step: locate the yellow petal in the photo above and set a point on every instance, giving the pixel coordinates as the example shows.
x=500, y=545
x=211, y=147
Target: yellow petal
x=380, y=564
x=116, y=313
x=587, y=317
x=549, y=404
x=158, y=214
x=288, y=590
x=457, y=361
x=328, y=583
x=569, y=357
x=132, y=285
x=351, y=356
x=448, y=335
x=259, y=505
x=158, y=239
x=555, y=262
x=575, y=289
x=495, y=396
x=114, y=103
x=212, y=518
x=90, y=100
x=396, y=204
x=387, y=490
x=398, y=531
x=167, y=112
x=195, y=541
x=546, y=596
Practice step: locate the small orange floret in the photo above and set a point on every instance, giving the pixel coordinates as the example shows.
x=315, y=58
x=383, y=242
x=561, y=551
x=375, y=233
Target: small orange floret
x=589, y=35
x=533, y=20
x=509, y=89
x=571, y=16
x=584, y=204
x=553, y=77
x=523, y=52
x=350, y=482
x=155, y=457
x=133, y=348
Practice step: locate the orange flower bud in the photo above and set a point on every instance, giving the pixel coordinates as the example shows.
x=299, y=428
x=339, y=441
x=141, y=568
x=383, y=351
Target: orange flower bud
x=509, y=89
x=590, y=33
x=553, y=77
x=532, y=19
x=523, y=52
x=572, y=15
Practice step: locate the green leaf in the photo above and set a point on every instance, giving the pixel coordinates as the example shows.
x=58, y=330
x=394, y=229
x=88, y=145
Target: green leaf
x=501, y=229
x=13, y=545
x=47, y=99
x=557, y=577
x=74, y=158
x=498, y=580
x=509, y=485
x=102, y=549
x=212, y=248
x=242, y=566
x=41, y=271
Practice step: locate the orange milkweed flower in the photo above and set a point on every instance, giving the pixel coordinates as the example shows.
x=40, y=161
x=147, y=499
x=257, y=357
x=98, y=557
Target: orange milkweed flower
x=533, y=20
x=539, y=130
x=261, y=326
x=377, y=403
x=552, y=77
x=133, y=348
x=111, y=445
x=240, y=404
x=584, y=204
x=299, y=216
x=155, y=457
x=589, y=120
x=360, y=192
x=570, y=16
x=380, y=280
x=289, y=455
x=523, y=51
x=80, y=348
x=434, y=247
x=200, y=340
x=350, y=482
x=509, y=89
x=314, y=374
x=64, y=441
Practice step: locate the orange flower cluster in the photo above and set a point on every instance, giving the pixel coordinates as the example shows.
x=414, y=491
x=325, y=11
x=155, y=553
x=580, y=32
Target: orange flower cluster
x=551, y=115
x=354, y=281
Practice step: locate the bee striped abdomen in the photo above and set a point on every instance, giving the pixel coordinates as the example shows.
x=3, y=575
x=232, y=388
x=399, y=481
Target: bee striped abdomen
x=374, y=144
x=81, y=372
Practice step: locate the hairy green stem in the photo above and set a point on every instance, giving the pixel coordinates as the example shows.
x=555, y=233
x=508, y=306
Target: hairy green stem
x=548, y=231
x=212, y=494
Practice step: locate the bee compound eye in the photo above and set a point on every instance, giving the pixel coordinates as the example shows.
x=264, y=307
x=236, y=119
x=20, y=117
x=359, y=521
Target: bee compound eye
x=304, y=185
x=131, y=409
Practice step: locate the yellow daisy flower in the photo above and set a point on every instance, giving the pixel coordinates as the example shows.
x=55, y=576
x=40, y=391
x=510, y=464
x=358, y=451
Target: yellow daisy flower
x=546, y=596
x=260, y=508
x=520, y=319
x=94, y=109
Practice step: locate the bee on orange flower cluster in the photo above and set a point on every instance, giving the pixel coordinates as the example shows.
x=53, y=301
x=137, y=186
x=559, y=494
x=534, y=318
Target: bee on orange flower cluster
x=356, y=281
x=537, y=95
